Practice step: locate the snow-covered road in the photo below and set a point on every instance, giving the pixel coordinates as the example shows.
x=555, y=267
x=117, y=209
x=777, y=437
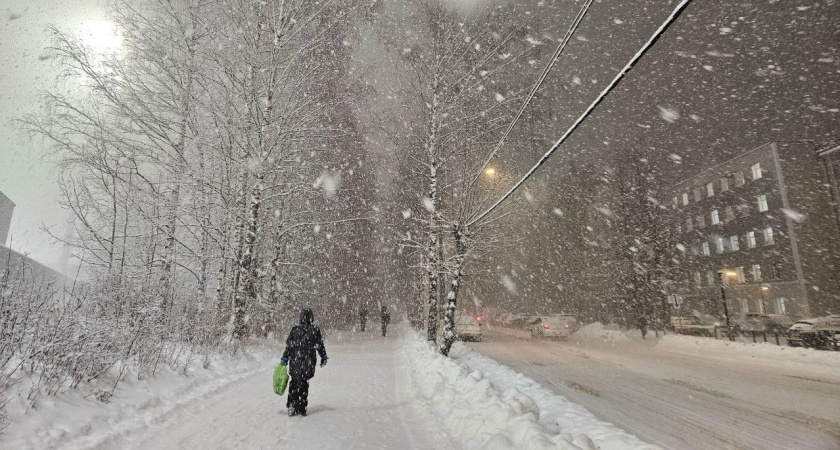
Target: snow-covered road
x=684, y=400
x=355, y=402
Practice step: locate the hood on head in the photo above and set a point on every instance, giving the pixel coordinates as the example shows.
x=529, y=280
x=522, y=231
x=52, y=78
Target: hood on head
x=306, y=317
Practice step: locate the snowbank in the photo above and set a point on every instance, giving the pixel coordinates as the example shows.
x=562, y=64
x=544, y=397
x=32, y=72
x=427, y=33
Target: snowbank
x=502, y=409
x=739, y=350
x=76, y=419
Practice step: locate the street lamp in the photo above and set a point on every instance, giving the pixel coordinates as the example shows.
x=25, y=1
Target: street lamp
x=490, y=171
x=764, y=289
x=721, y=280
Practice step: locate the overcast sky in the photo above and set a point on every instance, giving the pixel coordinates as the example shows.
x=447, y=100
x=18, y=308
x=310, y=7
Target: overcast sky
x=26, y=176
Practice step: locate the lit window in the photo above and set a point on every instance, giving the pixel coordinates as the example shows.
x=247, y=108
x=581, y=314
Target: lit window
x=676, y=201
x=780, y=305
x=756, y=171
x=750, y=239
x=734, y=244
x=705, y=247
x=756, y=272
x=701, y=221
x=724, y=184
x=710, y=189
x=715, y=217
x=740, y=271
x=719, y=244
x=762, y=203
x=685, y=199
x=739, y=178
x=768, y=236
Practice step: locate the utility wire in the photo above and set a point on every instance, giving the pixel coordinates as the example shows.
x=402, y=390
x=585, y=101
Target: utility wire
x=536, y=87
x=656, y=35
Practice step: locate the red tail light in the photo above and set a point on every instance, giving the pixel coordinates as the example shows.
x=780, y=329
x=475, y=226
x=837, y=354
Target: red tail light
x=545, y=325
x=566, y=325
x=478, y=319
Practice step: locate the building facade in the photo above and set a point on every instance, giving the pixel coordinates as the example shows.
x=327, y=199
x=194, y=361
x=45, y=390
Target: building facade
x=763, y=225
x=7, y=207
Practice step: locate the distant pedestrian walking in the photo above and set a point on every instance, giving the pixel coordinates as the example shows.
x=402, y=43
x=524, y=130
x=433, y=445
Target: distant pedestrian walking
x=303, y=342
x=385, y=318
x=363, y=312
x=643, y=326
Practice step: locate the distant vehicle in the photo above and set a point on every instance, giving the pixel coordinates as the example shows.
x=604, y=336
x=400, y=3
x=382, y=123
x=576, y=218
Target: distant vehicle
x=555, y=326
x=825, y=334
x=794, y=333
x=467, y=327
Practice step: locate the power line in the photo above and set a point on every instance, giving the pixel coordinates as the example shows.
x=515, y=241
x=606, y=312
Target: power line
x=657, y=34
x=536, y=87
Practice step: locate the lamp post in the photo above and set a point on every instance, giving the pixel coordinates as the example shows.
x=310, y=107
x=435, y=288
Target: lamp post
x=764, y=289
x=722, y=281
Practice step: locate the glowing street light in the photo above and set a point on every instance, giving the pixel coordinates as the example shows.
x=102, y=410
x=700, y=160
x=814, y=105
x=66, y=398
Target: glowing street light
x=490, y=171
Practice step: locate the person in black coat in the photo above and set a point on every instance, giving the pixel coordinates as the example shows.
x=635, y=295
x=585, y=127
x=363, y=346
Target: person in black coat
x=385, y=318
x=303, y=342
x=363, y=312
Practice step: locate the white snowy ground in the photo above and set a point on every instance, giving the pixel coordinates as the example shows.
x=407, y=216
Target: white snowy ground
x=684, y=392
x=356, y=401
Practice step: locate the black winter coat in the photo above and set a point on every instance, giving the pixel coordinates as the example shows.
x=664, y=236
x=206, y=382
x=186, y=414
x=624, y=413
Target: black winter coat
x=304, y=340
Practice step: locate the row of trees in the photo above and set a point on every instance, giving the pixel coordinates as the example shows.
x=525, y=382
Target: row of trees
x=200, y=164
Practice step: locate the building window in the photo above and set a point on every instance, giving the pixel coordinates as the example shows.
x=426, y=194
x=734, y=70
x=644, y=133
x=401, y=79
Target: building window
x=715, y=216
x=710, y=278
x=701, y=221
x=734, y=244
x=730, y=213
x=689, y=225
x=756, y=171
x=745, y=305
x=756, y=272
x=679, y=229
x=750, y=239
x=710, y=189
x=780, y=305
x=740, y=271
x=698, y=194
x=685, y=199
x=705, y=247
x=768, y=236
x=724, y=184
x=676, y=202
x=744, y=210
x=739, y=178
x=719, y=244
x=697, y=279
x=762, y=203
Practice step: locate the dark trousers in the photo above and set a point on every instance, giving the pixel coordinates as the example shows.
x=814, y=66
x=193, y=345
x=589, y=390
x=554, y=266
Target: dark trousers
x=298, y=394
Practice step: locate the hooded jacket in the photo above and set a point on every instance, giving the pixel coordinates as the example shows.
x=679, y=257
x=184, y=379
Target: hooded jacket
x=303, y=342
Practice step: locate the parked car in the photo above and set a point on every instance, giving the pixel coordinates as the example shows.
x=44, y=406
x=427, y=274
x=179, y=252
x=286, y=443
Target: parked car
x=558, y=326
x=794, y=333
x=467, y=327
x=761, y=323
x=824, y=335
x=692, y=326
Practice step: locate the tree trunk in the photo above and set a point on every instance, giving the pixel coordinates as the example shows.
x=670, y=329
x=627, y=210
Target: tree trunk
x=452, y=298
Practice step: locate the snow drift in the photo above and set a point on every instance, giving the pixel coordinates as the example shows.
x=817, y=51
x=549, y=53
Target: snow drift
x=483, y=404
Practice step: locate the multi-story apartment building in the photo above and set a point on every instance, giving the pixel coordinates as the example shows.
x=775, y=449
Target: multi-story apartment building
x=7, y=207
x=765, y=221
x=831, y=165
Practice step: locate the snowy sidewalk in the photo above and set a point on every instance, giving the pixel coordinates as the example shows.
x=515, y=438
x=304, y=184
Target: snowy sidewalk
x=354, y=402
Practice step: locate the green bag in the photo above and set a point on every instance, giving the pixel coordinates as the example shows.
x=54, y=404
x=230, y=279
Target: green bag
x=281, y=379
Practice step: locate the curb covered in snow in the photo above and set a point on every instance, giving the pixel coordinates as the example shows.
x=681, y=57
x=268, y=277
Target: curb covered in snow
x=503, y=410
